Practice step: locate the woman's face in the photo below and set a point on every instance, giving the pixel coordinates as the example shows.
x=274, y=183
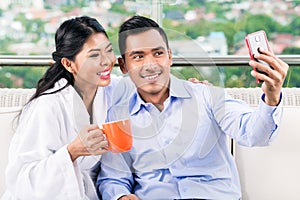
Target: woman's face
x=94, y=63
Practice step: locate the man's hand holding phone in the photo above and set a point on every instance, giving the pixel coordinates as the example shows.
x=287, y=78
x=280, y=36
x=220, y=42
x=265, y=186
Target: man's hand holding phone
x=274, y=70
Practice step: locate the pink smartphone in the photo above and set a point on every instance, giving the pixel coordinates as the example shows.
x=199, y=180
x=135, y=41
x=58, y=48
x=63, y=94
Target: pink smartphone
x=255, y=41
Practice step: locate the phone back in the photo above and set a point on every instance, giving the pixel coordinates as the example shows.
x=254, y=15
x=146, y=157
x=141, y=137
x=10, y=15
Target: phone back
x=257, y=40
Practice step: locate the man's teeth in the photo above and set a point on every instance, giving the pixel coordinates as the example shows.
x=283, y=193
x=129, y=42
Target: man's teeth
x=151, y=77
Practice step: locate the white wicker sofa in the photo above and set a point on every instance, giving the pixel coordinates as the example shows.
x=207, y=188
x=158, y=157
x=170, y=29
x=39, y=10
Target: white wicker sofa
x=11, y=101
x=267, y=173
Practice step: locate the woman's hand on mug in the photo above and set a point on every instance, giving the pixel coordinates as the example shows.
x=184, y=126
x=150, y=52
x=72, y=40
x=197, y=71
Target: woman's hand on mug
x=90, y=141
x=129, y=197
x=93, y=139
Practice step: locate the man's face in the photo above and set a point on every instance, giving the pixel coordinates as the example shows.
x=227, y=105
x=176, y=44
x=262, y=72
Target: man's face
x=148, y=61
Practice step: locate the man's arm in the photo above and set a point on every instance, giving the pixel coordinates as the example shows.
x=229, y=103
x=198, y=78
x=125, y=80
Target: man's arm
x=248, y=126
x=115, y=179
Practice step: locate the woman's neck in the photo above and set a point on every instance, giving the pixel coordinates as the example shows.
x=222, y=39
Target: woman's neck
x=87, y=95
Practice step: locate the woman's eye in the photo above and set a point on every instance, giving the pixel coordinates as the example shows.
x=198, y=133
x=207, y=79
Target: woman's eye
x=110, y=50
x=94, y=55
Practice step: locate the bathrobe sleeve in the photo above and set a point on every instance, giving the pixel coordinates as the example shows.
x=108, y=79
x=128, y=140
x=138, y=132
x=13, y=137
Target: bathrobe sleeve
x=39, y=165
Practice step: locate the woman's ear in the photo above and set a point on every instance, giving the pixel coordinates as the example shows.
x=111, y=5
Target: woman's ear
x=122, y=65
x=67, y=64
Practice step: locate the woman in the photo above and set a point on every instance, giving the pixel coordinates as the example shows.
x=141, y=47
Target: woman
x=58, y=143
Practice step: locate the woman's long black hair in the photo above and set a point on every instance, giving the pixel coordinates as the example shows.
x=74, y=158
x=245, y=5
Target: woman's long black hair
x=69, y=40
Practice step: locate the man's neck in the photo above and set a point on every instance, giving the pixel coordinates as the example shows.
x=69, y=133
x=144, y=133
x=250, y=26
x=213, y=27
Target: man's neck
x=156, y=99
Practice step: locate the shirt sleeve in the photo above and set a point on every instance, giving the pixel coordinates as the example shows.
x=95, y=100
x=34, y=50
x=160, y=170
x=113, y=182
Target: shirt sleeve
x=249, y=126
x=115, y=178
x=39, y=163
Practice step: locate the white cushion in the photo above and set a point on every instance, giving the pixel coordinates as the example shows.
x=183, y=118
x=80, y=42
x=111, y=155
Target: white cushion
x=7, y=116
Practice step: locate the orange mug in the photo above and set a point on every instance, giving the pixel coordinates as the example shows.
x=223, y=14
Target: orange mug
x=118, y=135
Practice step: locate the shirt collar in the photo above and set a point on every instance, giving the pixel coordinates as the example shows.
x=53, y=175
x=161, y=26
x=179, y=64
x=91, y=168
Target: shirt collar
x=178, y=89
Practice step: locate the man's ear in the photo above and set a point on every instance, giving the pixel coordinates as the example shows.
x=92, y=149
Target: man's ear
x=170, y=57
x=122, y=65
x=67, y=64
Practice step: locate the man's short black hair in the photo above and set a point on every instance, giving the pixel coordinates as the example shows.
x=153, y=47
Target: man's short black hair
x=138, y=24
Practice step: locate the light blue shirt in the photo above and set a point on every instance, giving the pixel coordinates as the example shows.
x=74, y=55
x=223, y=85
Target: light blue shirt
x=182, y=152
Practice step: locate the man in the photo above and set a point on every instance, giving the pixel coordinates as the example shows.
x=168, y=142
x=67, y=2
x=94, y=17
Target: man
x=180, y=129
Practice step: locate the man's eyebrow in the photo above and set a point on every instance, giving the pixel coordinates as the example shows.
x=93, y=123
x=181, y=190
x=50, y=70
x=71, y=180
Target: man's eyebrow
x=158, y=48
x=107, y=46
x=140, y=51
x=135, y=52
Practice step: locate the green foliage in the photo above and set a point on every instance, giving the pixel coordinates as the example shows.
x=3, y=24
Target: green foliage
x=31, y=26
x=250, y=23
x=4, y=46
x=118, y=8
x=21, y=76
x=239, y=77
x=229, y=30
x=187, y=72
x=67, y=8
x=196, y=3
x=295, y=26
x=113, y=37
x=234, y=30
x=291, y=50
x=293, y=76
x=175, y=7
x=21, y=18
x=71, y=5
x=5, y=79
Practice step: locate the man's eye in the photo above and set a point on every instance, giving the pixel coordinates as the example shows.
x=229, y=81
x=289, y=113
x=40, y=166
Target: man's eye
x=158, y=53
x=137, y=57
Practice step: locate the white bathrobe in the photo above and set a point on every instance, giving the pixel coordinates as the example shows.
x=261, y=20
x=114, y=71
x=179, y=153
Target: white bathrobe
x=39, y=165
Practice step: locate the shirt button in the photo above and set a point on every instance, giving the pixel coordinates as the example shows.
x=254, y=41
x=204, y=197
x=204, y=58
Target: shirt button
x=167, y=141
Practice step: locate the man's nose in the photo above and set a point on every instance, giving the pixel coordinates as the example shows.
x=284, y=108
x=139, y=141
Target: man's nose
x=149, y=60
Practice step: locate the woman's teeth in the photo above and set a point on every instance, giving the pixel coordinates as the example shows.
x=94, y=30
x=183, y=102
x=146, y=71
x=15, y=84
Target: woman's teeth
x=103, y=73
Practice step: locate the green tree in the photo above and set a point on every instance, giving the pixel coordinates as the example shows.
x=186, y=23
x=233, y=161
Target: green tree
x=252, y=23
x=196, y=3
x=293, y=76
x=5, y=79
x=29, y=76
x=295, y=26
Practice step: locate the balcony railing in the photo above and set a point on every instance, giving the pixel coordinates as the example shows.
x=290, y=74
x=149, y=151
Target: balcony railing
x=280, y=158
x=220, y=61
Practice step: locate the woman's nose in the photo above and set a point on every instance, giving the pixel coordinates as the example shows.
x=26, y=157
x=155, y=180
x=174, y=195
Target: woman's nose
x=105, y=60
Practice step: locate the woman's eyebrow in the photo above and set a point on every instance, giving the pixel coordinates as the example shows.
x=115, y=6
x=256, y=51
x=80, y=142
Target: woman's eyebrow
x=99, y=49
